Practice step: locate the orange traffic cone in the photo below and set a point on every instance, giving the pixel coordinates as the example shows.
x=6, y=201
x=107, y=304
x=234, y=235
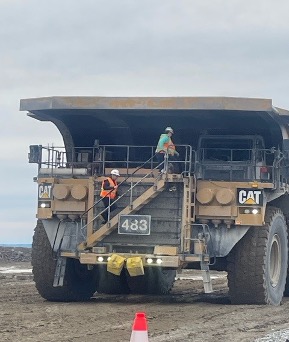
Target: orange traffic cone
x=139, y=328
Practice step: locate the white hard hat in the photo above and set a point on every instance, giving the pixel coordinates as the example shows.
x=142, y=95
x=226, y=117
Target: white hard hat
x=169, y=129
x=114, y=172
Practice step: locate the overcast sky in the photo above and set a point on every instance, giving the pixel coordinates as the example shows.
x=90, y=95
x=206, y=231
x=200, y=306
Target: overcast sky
x=125, y=48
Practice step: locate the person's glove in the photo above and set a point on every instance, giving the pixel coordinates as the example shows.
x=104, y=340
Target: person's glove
x=177, y=153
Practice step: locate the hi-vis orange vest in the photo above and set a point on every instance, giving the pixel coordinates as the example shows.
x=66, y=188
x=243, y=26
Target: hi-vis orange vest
x=108, y=193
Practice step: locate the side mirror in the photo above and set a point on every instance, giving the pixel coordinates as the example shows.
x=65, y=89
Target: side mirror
x=34, y=155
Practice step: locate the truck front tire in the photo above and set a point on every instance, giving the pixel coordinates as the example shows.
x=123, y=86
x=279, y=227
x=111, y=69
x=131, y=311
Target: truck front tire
x=257, y=265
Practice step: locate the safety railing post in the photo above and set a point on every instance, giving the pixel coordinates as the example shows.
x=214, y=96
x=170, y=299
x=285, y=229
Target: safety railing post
x=48, y=157
x=103, y=162
x=73, y=155
x=127, y=160
x=190, y=160
x=166, y=162
x=131, y=187
x=108, y=210
x=152, y=160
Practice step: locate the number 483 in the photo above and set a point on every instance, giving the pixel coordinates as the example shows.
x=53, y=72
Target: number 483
x=135, y=224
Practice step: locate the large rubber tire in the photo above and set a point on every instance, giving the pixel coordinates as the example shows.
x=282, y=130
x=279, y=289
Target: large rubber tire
x=110, y=283
x=257, y=265
x=156, y=281
x=79, y=283
x=138, y=284
x=286, y=292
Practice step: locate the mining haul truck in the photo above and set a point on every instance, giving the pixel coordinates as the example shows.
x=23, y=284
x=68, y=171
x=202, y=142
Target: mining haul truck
x=223, y=204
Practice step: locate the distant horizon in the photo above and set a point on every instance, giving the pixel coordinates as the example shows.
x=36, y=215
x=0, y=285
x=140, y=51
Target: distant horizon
x=15, y=244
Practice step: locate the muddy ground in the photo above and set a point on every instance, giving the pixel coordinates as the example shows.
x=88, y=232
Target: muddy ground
x=186, y=315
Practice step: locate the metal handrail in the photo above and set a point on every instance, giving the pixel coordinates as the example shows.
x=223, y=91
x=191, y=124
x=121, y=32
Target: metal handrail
x=53, y=158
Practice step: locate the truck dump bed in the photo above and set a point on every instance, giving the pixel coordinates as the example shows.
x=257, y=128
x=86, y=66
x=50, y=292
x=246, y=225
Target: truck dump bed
x=140, y=120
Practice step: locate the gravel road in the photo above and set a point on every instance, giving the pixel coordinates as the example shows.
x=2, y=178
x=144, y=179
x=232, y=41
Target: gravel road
x=186, y=315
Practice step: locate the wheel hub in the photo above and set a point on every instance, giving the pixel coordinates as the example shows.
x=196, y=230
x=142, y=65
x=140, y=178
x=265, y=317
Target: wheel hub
x=275, y=260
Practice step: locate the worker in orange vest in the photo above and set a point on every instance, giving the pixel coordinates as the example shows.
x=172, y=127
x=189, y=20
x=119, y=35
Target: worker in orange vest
x=108, y=193
x=166, y=146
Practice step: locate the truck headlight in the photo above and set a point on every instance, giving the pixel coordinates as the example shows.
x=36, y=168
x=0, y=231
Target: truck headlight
x=44, y=204
x=250, y=211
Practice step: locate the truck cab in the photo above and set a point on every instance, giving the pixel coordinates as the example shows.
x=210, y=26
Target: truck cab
x=232, y=157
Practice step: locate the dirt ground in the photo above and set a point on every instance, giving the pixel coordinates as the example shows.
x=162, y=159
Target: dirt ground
x=186, y=315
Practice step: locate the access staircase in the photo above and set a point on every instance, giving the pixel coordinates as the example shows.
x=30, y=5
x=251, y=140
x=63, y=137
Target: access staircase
x=138, y=203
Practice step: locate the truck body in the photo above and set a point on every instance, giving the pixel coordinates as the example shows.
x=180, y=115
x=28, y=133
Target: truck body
x=225, y=207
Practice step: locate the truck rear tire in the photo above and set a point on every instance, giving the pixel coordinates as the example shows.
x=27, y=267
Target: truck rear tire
x=160, y=280
x=79, y=283
x=110, y=283
x=137, y=284
x=155, y=281
x=286, y=292
x=257, y=265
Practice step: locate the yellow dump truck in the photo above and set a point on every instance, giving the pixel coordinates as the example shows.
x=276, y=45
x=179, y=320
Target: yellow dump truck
x=225, y=208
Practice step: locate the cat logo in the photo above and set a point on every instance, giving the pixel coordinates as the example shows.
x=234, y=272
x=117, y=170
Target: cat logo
x=250, y=197
x=44, y=191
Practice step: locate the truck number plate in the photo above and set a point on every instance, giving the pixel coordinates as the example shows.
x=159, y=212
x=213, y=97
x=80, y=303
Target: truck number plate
x=134, y=224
